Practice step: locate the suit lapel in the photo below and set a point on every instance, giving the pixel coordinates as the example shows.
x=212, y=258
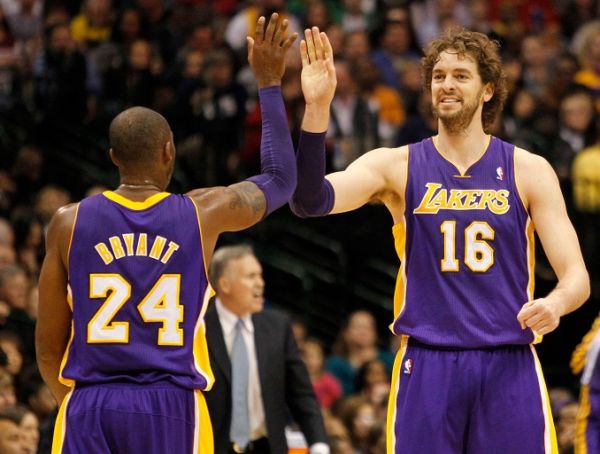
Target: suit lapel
x=261, y=343
x=216, y=342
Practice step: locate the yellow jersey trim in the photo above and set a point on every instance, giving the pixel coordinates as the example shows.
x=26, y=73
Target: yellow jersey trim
x=58, y=438
x=550, y=441
x=137, y=206
x=392, y=404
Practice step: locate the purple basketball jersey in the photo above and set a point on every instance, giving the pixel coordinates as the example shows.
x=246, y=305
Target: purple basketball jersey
x=138, y=291
x=466, y=251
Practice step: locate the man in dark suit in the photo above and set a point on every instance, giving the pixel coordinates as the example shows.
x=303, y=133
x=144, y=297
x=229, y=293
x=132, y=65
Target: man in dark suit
x=254, y=389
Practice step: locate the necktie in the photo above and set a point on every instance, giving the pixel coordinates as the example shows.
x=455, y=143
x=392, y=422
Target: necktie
x=240, y=425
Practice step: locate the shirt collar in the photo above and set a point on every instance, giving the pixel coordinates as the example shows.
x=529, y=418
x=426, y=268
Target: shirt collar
x=228, y=319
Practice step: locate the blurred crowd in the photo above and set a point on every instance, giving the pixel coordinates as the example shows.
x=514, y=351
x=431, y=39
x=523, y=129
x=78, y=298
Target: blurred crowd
x=75, y=64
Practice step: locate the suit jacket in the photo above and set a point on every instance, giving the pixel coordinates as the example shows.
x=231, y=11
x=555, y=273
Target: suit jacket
x=284, y=382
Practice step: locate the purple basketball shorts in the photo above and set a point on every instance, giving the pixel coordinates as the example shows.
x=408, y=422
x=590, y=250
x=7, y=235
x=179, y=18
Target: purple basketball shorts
x=477, y=401
x=132, y=418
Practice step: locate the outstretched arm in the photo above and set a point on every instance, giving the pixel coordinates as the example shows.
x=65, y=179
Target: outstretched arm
x=317, y=195
x=241, y=205
x=559, y=240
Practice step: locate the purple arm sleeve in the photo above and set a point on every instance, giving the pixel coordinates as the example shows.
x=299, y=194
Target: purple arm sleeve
x=314, y=195
x=278, y=178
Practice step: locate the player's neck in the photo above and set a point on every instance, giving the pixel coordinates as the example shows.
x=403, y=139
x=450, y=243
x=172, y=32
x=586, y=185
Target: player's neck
x=462, y=148
x=138, y=189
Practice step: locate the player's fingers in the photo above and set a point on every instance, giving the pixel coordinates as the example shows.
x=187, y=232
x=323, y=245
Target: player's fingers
x=250, y=42
x=304, y=53
x=281, y=33
x=318, y=43
x=259, y=36
x=310, y=43
x=271, y=27
x=327, y=49
x=288, y=42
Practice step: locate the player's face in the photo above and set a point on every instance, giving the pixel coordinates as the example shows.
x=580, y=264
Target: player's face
x=457, y=91
x=245, y=285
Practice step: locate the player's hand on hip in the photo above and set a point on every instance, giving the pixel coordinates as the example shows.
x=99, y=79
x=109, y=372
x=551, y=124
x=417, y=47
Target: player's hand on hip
x=267, y=50
x=318, y=71
x=540, y=315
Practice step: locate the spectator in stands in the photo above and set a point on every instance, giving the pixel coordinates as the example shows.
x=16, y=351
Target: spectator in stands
x=396, y=49
x=358, y=415
x=354, y=125
x=93, y=25
x=420, y=124
x=373, y=382
x=157, y=16
x=327, y=387
x=61, y=73
x=575, y=13
x=586, y=196
x=36, y=395
x=8, y=398
x=356, y=344
x=49, y=199
x=7, y=235
x=586, y=45
x=135, y=82
x=10, y=343
x=24, y=18
x=576, y=131
x=238, y=26
x=29, y=241
x=14, y=288
x=219, y=117
x=10, y=433
x=383, y=100
x=28, y=428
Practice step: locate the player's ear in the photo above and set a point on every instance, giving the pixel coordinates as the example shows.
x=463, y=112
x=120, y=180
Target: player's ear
x=488, y=92
x=114, y=160
x=168, y=152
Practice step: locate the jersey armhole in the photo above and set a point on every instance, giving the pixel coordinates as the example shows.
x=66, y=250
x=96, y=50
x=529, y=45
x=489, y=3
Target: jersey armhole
x=68, y=264
x=519, y=196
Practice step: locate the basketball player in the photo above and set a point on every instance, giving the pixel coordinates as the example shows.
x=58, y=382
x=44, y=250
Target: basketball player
x=464, y=206
x=123, y=290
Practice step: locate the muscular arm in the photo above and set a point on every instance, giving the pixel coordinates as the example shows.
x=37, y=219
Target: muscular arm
x=540, y=190
x=53, y=327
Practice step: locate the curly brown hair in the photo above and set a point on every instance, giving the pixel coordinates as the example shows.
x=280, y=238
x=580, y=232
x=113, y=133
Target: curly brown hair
x=485, y=53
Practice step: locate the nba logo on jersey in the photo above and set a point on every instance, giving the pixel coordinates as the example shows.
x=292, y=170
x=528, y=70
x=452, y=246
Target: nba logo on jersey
x=408, y=364
x=499, y=173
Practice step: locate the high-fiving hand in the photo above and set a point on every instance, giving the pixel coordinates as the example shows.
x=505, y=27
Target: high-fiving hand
x=318, y=72
x=266, y=51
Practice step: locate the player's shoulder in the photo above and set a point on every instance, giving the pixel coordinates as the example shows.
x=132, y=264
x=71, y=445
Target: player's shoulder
x=385, y=158
x=530, y=162
x=66, y=214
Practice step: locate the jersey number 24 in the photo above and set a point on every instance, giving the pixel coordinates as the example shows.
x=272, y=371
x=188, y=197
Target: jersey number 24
x=160, y=305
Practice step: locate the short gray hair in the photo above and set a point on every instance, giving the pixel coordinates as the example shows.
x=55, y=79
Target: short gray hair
x=223, y=256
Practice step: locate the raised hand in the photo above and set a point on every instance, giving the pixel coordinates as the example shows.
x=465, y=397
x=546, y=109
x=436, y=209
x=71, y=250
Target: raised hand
x=318, y=72
x=266, y=51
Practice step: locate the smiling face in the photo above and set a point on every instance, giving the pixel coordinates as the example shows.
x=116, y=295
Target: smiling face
x=457, y=91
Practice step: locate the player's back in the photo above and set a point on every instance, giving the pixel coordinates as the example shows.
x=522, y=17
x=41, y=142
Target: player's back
x=138, y=290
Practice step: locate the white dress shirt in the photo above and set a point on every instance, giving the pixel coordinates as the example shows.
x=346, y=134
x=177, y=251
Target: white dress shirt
x=256, y=412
